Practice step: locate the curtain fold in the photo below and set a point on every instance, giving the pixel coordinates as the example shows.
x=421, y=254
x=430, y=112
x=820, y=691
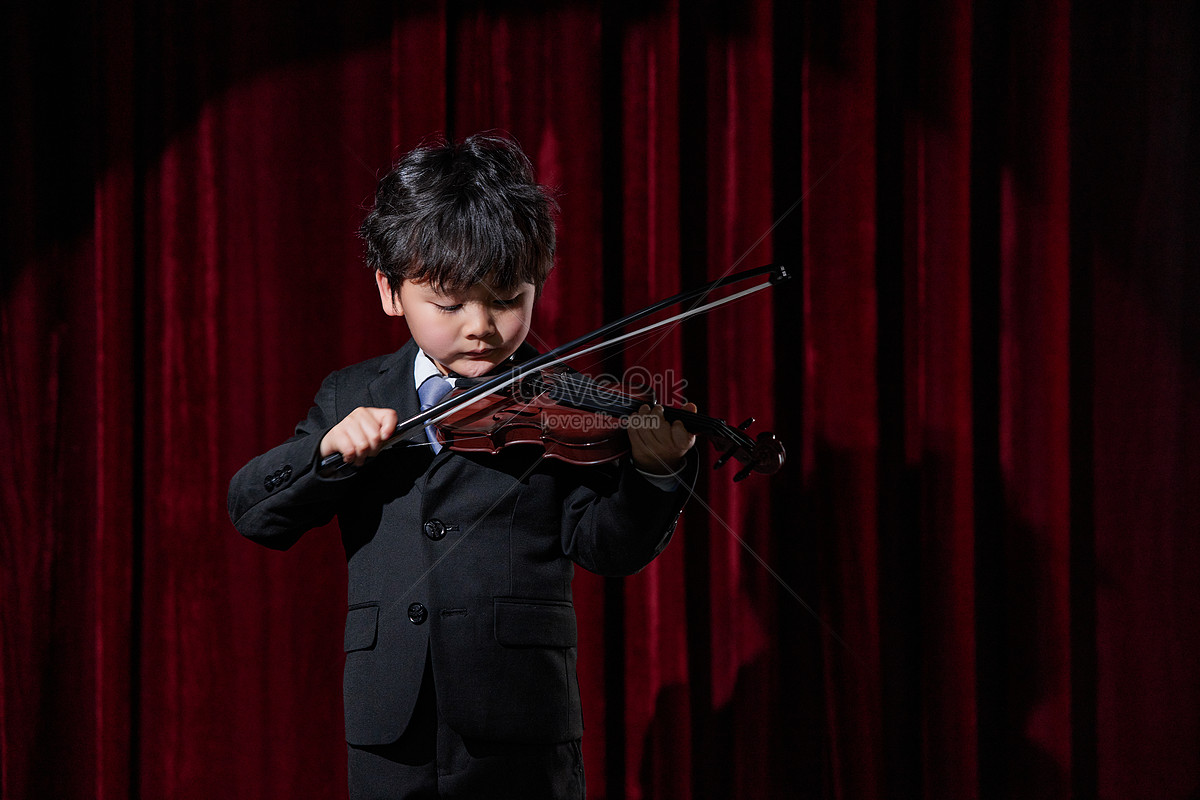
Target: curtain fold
x=973, y=577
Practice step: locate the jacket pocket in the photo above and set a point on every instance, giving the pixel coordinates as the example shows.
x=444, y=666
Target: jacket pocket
x=534, y=623
x=362, y=624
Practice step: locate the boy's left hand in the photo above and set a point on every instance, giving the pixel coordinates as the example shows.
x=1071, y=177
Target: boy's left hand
x=657, y=446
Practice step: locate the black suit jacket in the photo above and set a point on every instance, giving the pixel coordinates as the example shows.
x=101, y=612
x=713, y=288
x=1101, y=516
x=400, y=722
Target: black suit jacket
x=467, y=557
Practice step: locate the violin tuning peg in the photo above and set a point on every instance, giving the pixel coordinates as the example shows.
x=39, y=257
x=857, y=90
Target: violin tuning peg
x=749, y=421
x=743, y=473
x=728, y=454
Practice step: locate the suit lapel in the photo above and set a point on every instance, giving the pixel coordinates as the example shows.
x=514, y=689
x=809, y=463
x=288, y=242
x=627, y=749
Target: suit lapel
x=393, y=388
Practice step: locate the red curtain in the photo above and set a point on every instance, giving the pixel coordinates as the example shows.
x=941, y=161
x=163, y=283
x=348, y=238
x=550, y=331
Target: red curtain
x=974, y=577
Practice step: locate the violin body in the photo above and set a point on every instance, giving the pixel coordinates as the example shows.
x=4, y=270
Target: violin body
x=496, y=421
x=527, y=413
x=579, y=421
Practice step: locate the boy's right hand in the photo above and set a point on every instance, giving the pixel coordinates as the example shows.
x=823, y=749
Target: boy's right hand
x=360, y=435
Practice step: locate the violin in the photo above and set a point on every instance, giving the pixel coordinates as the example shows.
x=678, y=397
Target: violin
x=567, y=412
x=576, y=419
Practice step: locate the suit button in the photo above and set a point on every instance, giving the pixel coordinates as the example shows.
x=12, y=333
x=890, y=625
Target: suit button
x=417, y=613
x=434, y=529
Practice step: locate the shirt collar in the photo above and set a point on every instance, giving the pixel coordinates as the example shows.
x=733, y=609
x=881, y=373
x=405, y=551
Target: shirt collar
x=424, y=368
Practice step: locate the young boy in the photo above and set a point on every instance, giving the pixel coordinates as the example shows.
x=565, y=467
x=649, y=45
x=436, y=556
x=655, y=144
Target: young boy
x=460, y=634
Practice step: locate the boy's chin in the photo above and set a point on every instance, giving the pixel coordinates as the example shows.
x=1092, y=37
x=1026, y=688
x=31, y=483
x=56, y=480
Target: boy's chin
x=473, y=367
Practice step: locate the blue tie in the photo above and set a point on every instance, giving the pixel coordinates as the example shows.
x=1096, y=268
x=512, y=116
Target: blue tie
x=431, y=393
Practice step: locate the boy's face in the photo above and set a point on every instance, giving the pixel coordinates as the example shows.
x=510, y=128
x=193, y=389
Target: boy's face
x=467, y=333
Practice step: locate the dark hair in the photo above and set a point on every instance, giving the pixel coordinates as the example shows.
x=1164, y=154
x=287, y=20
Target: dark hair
x=458, y=214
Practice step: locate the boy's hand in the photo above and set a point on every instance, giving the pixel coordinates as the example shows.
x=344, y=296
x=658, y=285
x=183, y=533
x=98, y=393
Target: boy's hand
x=360, y=435
x=659, y=447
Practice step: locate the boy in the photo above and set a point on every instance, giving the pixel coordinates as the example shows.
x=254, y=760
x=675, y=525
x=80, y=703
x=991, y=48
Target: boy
x=460, y=634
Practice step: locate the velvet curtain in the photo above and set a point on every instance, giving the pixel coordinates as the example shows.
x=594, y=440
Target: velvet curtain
x=974, y=577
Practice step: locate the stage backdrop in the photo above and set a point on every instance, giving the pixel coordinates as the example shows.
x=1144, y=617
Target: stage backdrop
x=975, y=576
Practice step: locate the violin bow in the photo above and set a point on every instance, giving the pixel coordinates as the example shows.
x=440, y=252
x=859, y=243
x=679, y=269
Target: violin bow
x=334, y=466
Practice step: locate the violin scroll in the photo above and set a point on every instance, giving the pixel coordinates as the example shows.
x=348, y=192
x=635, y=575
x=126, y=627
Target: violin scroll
x=767, y=456
x=764, y=454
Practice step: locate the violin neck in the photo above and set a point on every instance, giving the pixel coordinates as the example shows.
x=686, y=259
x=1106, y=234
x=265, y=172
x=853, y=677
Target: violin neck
x=698, y=423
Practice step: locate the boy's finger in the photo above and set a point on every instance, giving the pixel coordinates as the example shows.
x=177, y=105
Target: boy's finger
x=388, y=424
x=354, y=440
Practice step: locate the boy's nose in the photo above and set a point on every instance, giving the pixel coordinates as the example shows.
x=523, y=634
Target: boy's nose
x=479, y=323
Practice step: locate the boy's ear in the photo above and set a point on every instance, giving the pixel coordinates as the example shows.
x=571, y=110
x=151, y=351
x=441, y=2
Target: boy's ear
x=387, y=299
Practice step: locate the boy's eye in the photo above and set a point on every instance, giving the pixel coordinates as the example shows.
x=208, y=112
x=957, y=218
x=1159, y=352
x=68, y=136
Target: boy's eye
x=512, y=301
x=450, y=309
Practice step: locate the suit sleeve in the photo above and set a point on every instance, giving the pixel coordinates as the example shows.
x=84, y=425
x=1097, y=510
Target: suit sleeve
x=278, y=496
x=617, y=524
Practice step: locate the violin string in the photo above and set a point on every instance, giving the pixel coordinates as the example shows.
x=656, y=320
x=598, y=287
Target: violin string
x=587, y=385
x=486, y=436
x=583, y=384
x=452, y=410
x=700, y=422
